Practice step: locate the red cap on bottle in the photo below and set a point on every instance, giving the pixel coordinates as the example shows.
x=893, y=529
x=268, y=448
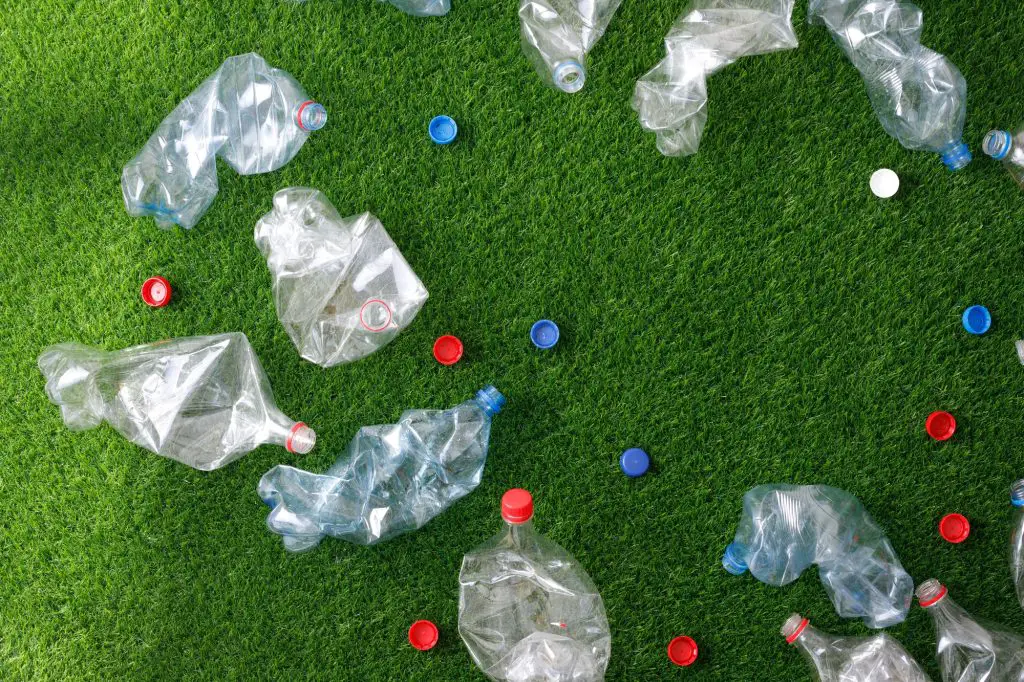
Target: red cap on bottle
x=940, y=425
x=954, y=528
x=682, y=651
x=517, y=506
x=156, y=292
x=447, y=349
x=423, y=635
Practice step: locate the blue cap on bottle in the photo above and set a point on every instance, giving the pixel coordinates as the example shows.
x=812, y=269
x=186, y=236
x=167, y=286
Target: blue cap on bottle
x=733, y=560
x=442, y=129
x=634, y=462
x=544, y=334
x=977, y=319
x=997, y=144
x=490, y=399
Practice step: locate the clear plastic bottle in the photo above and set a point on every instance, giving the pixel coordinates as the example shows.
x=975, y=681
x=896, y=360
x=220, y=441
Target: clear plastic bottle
x=393, y=478
x=417, y=8
x=785, y=529
x=558, y=34
x=1017, y=539
x=852, y=659
x=970, y=650
x=672, y=98
x=1003, y=146
x=528, y=612
x=253, y=116
x=341, y=287
x=920, y=97
x=204, y=401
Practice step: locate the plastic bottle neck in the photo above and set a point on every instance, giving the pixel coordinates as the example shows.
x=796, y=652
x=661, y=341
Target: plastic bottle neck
x=1017, y=494
x=956, y=155
x=734, y=559
x=997, y=144
x=490, y=400
x=311, y=116
x=569, y=76
x=794, y=628
x=930, y=592
x=292, y=436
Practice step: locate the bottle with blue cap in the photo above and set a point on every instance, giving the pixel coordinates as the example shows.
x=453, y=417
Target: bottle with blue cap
x=1003, y=146
x=1017, y=541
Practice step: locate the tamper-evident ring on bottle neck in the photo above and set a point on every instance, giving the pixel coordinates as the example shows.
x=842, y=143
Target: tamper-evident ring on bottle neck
x=311, y=116
x=956, y=155
x=569, y=76
x=490, y=399
x=733, y=560
x=997, y=144
x=930, y=592
x=793, y=627
x=1017, y=493
x=301, y=439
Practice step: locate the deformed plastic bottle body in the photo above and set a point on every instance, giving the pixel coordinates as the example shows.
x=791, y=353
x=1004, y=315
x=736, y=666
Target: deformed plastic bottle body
x=417, y=8
x=528, y=612
x=852, y=659
x=969, y=649
x=250, y=114
x=671, y=98
x=392, y=479
x=204, y=401
x=558, y=34
x=785, y=529
x=920, y=97
x=341, y=287
x=1017, y=539
x=1007, y=147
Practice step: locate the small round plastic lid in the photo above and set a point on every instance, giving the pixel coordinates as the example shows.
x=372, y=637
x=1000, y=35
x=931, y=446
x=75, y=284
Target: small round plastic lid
x=448, y=349
x=442, y=129
x=884, y=183
x=682, y=651
x=156, y=292
x=954, y=528
x=423, y=635
x=634, y=462
x=977, y=319
x=940, y=425
x=517, y=506
x=544, y=334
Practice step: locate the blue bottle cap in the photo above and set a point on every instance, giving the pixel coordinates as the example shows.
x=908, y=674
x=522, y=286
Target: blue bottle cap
x=997, y=144
x=544, y=334
x=977, y=319
x=956, y=155
x=634, y=462
x=442, y=129
x=490, y=399
x=733, y=560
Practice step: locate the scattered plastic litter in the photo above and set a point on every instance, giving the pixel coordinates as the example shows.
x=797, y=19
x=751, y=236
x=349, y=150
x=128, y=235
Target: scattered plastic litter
x=940, y=425
x=683, y=651
x=156, y=292
x=423, y=635
x=416, y=8
x=544, y=334
x=1002, y=146
x=634, y=462
x=442, y=129
x=1017, y=539
x=447, y=349
x=977, y=319
x=954, y=528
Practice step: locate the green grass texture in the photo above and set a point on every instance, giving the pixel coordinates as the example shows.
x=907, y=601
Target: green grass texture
x=748, y=315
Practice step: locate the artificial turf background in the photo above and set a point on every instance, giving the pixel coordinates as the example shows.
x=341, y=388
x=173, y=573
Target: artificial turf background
x=748, y=315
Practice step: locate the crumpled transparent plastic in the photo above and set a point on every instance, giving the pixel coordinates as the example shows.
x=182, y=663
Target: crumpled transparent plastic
x=920, y=97
x=970, y=649
x=1017, y=539
x=852, y=659
x=253, y=116
x=1002, y=145
x=341, y=287
x=786, y=528
x=417, y=8
x=393, y=478
x=528, y=612
x=558, y=34
x=672, y=98
x=204, y=401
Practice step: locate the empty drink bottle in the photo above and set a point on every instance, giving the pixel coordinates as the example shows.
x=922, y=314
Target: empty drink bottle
x=1017, y=539
x=1003, y=146
x=558, y=34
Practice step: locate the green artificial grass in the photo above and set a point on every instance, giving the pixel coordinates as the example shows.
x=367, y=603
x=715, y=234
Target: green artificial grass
x=751, y=314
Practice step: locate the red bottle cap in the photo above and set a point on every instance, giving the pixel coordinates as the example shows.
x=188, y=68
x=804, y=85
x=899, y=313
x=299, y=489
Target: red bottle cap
x=447, y=350
x=682, y=650
x=156, y=292
x=940, y=425
x=423, y=635
x=954, y=528
x=517, y=506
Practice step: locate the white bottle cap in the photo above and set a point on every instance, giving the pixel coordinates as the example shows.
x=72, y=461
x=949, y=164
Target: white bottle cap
x=884, y=183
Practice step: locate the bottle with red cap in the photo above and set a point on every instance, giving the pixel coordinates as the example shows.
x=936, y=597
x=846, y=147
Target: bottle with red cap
x=970, y=649
x=204, y=401
x=836, y=658
x=1017, y=539
x=527, y=609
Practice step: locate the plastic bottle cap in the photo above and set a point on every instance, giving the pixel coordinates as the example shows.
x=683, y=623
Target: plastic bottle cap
x=940, y=425
x=423, y=635
x=447, y=350
x=977, y=319
x=517, y=506
x=634, y=462
x=884, y=183
x=954, y=528
x=682, y=650
x=442, y=129
x=544, y=334
x=156, y=292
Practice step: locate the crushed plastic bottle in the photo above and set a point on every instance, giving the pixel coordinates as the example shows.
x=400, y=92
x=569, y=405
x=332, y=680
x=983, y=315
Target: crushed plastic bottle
x=253, y=116
x=204, y=401
x=1017, y=539
x=1003, y=146
x=969, y=649
x=528, y=612
x=671, y=98
x=558, y=34
x=786, y=528
x=393, y=478
x=417, y=8
x=852, y=659
x=920, y=97
x=341, y=287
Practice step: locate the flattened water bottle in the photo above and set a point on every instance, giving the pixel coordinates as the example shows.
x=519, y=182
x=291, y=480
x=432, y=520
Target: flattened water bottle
x=1017, y=539
x=1008, y=148
x=558, y=34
